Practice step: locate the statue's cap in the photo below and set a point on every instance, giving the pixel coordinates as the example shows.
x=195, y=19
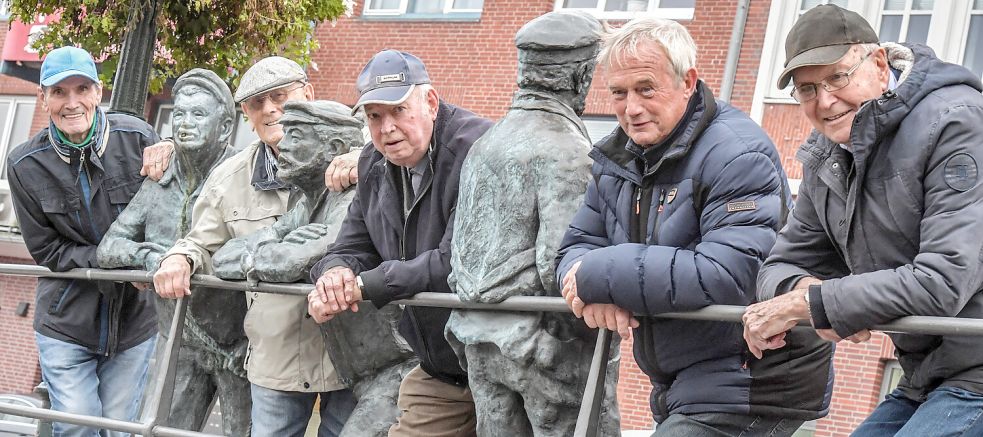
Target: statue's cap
x=322, y=112
x=269, y=74
x=562, y=36
x=209, y=81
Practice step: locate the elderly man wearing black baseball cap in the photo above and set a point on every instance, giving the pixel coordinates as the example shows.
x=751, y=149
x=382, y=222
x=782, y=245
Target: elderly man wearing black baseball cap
x=396, y=239
x=886, y=222
x=288, y=366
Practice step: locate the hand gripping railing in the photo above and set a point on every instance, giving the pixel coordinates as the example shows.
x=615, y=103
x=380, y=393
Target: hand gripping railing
x=158, y=405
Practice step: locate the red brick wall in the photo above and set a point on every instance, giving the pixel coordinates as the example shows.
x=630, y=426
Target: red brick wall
x=19, y=371
x=633, y=392
x=859, y=370
x=788, y=128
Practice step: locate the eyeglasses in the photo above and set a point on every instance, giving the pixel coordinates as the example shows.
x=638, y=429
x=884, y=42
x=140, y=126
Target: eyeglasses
x=278, y=97
x=808, y=91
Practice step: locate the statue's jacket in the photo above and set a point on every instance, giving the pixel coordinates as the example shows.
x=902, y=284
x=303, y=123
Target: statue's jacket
x=286, y=351
x=893, y=228
x=683, y=225
x=160, y=213
x=64, y=203
x=398, y=257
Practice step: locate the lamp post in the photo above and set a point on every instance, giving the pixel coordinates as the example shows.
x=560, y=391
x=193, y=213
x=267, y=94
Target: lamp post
x=136, y=58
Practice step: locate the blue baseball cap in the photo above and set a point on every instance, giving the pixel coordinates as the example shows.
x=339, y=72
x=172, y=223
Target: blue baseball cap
x=65, y=62
x=389, y=77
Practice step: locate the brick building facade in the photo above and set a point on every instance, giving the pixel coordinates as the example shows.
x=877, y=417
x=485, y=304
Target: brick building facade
x=472, y=62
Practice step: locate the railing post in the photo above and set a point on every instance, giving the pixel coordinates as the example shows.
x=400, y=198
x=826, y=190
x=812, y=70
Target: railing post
x=588, y=421
x=159, y=405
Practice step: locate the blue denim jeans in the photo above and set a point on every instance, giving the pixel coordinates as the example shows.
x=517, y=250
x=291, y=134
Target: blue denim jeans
x=725, y=425
x=947, y=411
x=83, y=382
x=286, y=413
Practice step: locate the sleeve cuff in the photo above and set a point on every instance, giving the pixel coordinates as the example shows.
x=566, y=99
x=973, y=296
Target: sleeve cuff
x=374, y=287
x=816, y=308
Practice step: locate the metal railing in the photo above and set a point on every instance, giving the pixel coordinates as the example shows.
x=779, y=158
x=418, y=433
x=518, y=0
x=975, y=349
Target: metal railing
x=158, y=404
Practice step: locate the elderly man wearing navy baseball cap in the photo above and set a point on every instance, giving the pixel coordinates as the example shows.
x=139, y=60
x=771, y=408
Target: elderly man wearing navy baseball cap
x=395, y=241
x=69, y=182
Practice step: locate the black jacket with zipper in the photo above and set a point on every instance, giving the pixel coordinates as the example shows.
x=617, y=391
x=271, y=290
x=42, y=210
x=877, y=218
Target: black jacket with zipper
x=62, y=229
x=399, y=258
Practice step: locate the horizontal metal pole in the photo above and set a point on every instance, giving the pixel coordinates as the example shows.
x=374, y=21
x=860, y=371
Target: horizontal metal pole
x=95, y=422
x=928, y=325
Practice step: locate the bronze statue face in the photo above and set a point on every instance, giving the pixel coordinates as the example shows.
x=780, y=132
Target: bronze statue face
x=197, y=120
x=301, y=153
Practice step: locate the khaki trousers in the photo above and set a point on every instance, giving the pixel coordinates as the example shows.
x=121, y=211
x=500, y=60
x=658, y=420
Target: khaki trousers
x=433, y=408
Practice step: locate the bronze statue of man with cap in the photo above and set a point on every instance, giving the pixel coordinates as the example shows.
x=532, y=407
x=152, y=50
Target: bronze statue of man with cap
x=395, y=241
x=520, y=185
x=213, y=348
x=886, y=223
x=288, y=366
x=364, y=347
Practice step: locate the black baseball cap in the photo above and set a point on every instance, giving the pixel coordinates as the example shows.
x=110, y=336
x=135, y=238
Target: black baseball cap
x=389, y=77
x=822, y=36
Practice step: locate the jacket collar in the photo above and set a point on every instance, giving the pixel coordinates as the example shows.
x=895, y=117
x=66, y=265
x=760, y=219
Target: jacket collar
x=531, y=100
x=615, y=152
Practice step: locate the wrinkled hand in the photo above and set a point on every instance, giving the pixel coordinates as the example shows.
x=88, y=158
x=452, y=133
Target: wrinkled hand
x=338, y=290
x=308, y=232
x=173, y=279
x=569, y=291
x=318, y=310
x=765, y=323
x=610, y=317
x=156, y=158
x=342, y=172
x=831, y=335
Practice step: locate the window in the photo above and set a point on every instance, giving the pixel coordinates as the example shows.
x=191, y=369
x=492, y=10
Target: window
x=242, y=132
x=599, y=126
x=973, y=55
x=627, y=9
x=906, y=20
x=4, y=9
x=423, y=9
x=16, y=115
x=892, y=376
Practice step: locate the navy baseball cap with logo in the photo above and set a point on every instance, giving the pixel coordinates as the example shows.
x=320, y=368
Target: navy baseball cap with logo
x=64, y=62
x=389, y=78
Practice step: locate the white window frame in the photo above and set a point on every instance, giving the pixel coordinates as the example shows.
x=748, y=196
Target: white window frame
x=8, y=127
x=886, y=388
x=906, y=13
x=403, y=4
x=653, y=10
x=947, y=35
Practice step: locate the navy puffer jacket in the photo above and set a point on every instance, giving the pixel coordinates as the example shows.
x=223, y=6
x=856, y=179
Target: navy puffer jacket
x=688, y=230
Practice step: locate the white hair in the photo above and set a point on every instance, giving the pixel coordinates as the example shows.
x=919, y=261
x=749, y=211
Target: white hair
x=622, y=43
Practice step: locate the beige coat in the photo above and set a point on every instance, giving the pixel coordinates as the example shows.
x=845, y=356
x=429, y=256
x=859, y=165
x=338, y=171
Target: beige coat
x=286, y=351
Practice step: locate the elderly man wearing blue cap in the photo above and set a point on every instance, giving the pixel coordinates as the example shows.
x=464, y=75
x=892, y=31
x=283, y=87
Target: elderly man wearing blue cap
x=396, y=239
x=69, y=182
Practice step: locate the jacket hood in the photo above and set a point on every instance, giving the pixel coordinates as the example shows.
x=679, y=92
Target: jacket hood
x=612, y=153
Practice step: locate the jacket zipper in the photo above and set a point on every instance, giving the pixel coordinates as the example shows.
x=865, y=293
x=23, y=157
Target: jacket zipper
x=106, y=309
x=658, y=215
x=640, y=234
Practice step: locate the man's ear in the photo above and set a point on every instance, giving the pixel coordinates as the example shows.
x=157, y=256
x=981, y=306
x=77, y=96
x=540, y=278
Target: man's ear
x=44, y=103
x=689, y=81
x=433, y=102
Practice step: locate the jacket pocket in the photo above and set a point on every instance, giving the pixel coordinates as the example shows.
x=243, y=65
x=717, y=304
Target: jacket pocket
x=120, y=192
x=58, y=303
x=246, y=219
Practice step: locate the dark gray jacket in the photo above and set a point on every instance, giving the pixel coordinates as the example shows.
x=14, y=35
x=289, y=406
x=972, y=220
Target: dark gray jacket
x=398, y=258
x=62, y=227
x=687, y=231
x=894, y=229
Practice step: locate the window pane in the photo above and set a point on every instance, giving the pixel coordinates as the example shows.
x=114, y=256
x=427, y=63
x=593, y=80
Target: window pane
x=425, y=6
x=23, y=115
x=468, y=4
x=978, y=4
x=626, y=5
x=809, y=4
x=580, y=4
x=164, y=128
x=918, y=28
x=922, y=5
x=894, y=5
x=973, y=58
x=677, y=3
x=840, y=3
x=4, y=111
x=383, y=4
x=243, y=134
x=890, y=28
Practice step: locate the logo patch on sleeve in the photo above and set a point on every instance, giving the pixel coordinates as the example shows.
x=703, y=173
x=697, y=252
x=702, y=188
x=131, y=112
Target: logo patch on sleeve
x=961, y=172
x=741, y=205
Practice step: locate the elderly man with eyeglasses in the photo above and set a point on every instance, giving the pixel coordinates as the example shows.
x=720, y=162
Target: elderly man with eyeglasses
x=886, y=224
x=287, y=364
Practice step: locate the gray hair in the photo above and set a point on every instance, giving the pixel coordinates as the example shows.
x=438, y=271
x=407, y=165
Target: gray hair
x=622, y=43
